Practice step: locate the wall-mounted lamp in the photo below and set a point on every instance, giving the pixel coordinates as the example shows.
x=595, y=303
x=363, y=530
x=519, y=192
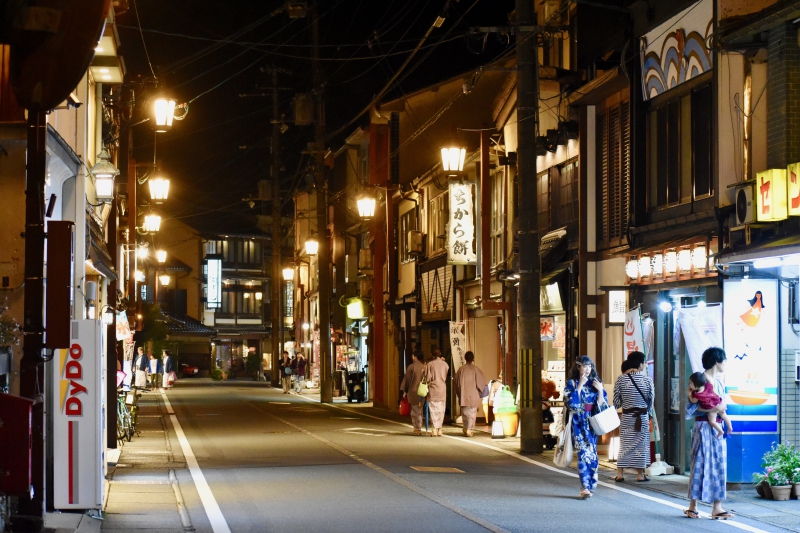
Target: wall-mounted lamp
x=104, y=173
x=161, y=256
x=312, y=246
x=288, y=274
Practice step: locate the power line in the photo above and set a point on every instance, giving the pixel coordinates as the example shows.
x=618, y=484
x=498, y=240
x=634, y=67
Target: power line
x=146, y=53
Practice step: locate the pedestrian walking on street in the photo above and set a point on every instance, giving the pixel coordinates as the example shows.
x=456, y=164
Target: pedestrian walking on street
x=168, y=366
x=155, y=370
x=299, y=373
x=633, y=393
x=409, y=386
x=709, y=453
x=583, y=393
x=285, y=367
x=140, y=369
x=436, y=374
x=469, y=384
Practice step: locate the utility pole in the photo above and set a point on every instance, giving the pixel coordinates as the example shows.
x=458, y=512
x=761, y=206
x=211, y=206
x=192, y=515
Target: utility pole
x=528, y=337
x=324, y=252
x=277, y=278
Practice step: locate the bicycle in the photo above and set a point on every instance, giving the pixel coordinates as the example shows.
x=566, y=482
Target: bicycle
x=124, y=421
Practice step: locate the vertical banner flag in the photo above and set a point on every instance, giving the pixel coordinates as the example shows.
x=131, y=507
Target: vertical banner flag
x=793, y=177
x=461, y=227
x=547, y=328
x=751, y=344
x=634, y=338
x=702, y=329
x=458, y=343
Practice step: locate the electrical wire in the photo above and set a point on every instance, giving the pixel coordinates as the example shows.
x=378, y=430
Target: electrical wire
x=146, y=53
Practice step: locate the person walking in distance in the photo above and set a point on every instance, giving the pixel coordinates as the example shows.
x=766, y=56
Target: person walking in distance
x=140, y=369
x=469, y=384
x=583, y=393
x=708, y=474
x=155, y=370
x=436, y=374
x=634, y=393
x=300, y=373
x=168, y=364
x=409, y=386
x=285, y=366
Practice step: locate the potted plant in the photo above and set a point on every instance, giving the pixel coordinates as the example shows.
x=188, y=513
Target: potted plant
x=762, y=487
x=779, y=483
x=796, y=482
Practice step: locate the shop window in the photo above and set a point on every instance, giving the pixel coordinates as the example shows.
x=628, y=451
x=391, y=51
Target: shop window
x=498, y=218
x=679, y=149
x=439, y=212
x=228, y=302
x=247, y=303
x=567, y=202
x=408, y=222
x=613, y=152
x=248, y=252
x=543, y=195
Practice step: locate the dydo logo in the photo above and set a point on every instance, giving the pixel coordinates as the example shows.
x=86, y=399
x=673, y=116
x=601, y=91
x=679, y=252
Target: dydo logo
x=71, y=377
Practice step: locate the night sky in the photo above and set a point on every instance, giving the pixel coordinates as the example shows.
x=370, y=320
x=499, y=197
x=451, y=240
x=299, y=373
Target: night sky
x=218, y=153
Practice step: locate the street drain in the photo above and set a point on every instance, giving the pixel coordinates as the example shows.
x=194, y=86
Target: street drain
x=438, y=469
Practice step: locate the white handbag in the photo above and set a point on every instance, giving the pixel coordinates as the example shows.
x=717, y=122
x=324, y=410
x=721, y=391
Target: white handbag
x=605, y=421
x=563, y=455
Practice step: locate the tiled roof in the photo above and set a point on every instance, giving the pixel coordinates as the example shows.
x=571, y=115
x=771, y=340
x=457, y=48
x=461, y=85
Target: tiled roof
x=187, y=325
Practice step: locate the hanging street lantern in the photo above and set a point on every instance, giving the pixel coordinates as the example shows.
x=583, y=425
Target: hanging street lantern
x=288, y=274
x=152, y=223
x=366, y=206
x=164, y=111
x=159, y=189
x=164, y=279
x=161, y=256
x=453, y=159
x=104, y=173
x=312, y=246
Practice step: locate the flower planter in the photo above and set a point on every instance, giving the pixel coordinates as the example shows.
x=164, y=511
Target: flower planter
x=796, y=490
x=781, y=492
x=760, y=488
x=767, y=491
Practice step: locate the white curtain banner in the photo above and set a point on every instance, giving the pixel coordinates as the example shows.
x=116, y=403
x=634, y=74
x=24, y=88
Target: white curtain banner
x=702, y=329
x=634, y=338
x=458, y=344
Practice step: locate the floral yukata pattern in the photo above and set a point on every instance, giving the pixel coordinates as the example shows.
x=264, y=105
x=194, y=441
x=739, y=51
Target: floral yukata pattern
x=584, y=440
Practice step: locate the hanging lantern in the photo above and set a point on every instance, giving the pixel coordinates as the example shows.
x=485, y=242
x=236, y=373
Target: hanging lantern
x=685, y=260
x=366, y=206
x=671, y=262
x=164, y=279
x=159, y=189
x=161, y=256
x=632, y=269
x=152, y=223
x=644, y=267
x=288, y=274
x=453, y=159
x=699, y=258
x=164, y=113
x=104, y=173
x=657, y=265
x=312, y=246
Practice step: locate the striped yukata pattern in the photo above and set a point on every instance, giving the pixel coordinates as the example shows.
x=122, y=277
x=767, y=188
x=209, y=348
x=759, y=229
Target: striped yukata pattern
x=634, y=445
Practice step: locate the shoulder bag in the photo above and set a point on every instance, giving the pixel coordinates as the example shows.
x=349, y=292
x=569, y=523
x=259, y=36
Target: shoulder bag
x=422, y=388
x=655, y=432
x=563, y=455
x=605, y=421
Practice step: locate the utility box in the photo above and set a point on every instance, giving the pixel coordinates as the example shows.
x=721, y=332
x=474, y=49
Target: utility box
x=16, y=431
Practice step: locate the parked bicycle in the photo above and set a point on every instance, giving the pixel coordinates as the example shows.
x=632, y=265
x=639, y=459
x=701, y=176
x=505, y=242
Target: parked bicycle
x=127, y=415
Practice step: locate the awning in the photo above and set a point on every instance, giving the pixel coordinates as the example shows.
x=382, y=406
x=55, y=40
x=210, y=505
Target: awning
x=554, y=275
x=96, y=251
x=784, y=246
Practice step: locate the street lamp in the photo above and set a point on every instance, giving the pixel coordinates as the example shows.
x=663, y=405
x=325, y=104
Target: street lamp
x=312, y=246
x=152, y=223
x=161, y=256
x=104, y=173
x=366, y=206
x=288, y=274
x=164, y=279
x=159, y=189
x=453, y=159
x=164, y=111
x=142, y=251
x=139, y=276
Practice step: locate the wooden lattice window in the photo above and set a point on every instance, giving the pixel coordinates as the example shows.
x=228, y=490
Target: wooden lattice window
x=613, y=139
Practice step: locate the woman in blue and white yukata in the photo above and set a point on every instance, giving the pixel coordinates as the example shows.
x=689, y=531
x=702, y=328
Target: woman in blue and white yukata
x=709, y=451
x=582, y=393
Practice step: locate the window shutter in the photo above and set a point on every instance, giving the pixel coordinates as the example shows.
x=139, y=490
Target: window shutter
x=614, y=199
x=625, y=162
x=602, y=150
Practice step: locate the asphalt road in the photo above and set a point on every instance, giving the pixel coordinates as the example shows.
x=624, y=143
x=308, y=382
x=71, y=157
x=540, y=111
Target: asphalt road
x=275, y=462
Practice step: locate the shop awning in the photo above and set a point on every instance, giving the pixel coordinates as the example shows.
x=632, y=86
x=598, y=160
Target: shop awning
x=554, y=275
x=96, y=250
x=783, y=246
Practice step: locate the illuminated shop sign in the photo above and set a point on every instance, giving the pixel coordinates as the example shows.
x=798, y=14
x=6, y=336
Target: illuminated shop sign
x=617, y=306
x=750, y=319
x=214, y=297
x=771, y=195
x=461, y=227
x=793, y=187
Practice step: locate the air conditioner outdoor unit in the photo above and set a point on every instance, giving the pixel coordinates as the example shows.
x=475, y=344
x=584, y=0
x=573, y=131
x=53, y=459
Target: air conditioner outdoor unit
x=414, y=242
x=745, y=206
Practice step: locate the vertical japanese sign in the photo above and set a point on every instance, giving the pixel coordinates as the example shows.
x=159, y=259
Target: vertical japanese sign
x=634, y=339
x=458, y=343
x=214, y=297
x=793, y=177
x=461, y=227
x=617, y=306
x=750, y=317
x=77, y=420
x=771, y=195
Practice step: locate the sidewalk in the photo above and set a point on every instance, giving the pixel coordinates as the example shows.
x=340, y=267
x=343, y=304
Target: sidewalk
x=142, y=491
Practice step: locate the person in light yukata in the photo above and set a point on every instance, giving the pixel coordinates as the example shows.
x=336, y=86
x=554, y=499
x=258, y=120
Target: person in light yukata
x=583, y=393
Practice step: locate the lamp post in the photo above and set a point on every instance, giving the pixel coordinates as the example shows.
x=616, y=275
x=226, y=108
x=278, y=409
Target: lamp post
x=312, y=246
x=159, y=189
x=453, y=159
x=366, y=206
x=163, y=113
x=152, y=223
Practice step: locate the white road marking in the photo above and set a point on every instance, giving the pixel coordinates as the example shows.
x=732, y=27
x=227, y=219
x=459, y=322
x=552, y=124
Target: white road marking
x=215, y=517
x=397, y=479
x=552, y=468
